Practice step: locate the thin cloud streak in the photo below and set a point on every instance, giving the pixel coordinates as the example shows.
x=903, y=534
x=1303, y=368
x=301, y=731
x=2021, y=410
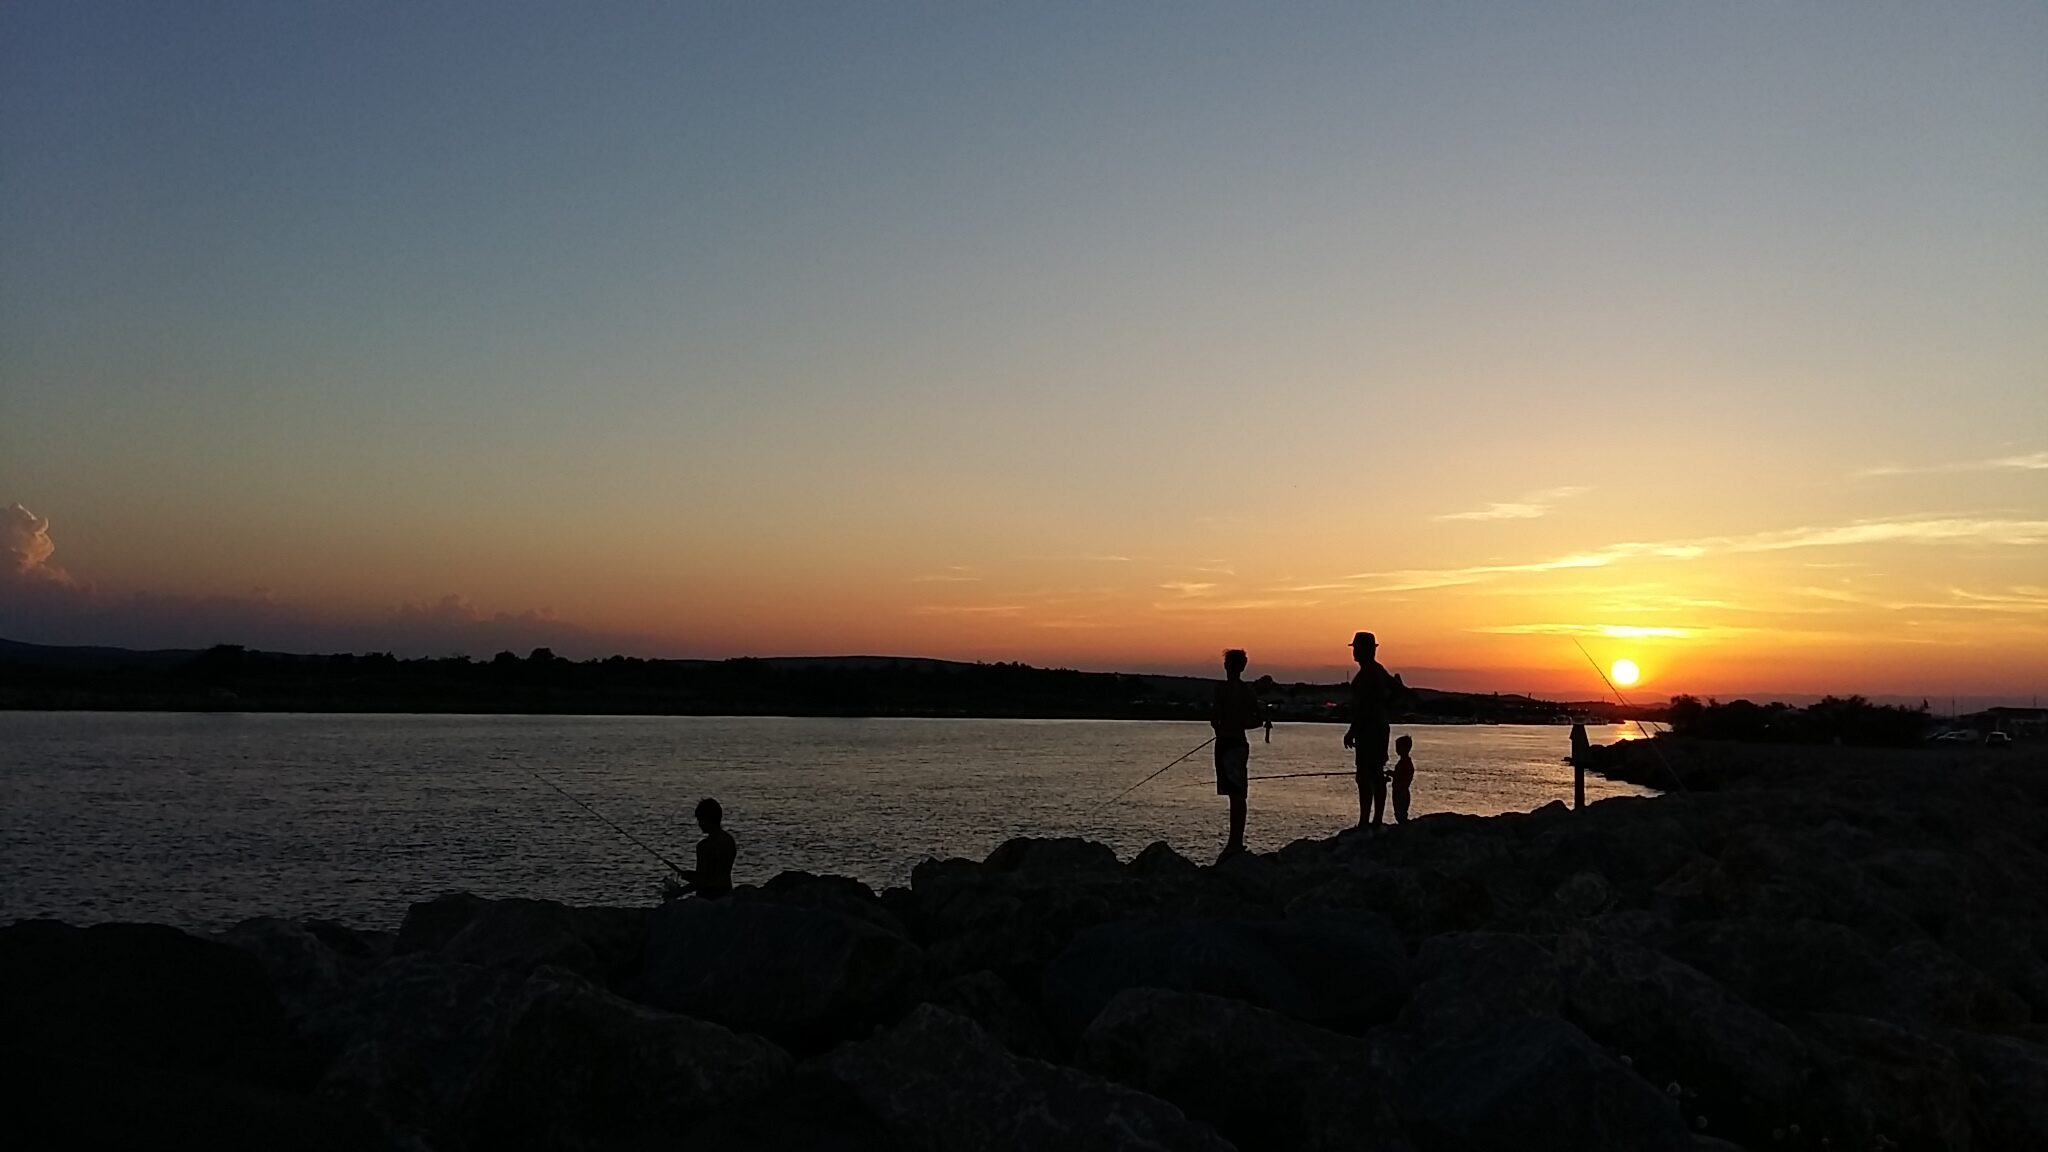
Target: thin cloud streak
x=2012, y=533
x=2030, y=462
x=1529, y=507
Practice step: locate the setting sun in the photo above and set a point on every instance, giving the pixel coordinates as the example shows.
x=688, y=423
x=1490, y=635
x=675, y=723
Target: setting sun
x=1625, y=672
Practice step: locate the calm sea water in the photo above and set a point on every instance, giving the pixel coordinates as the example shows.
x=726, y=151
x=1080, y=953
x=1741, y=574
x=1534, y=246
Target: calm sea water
x=202, y=820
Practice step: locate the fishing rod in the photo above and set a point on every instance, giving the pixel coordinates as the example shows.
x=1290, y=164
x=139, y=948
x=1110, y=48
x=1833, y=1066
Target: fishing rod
x=1156, y=775
x=1301, y=775
x=1647, y=734
x=607, y=822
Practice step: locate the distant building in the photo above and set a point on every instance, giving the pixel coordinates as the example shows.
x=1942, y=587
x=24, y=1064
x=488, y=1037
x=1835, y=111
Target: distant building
x=2018, y=721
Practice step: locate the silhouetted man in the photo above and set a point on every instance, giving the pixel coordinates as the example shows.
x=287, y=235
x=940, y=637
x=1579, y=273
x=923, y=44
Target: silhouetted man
x=1235, y=712
x=1373, y=692
x=711, y=879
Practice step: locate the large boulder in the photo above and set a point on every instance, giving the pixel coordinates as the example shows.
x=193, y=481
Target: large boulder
x=147, y=996
x=580, y=1068
x=61, y=1102
x=1875, y=1079
x=1465, y=981
x=1056, y=854
x=1418, y=901
x=841, y=894
x=1744, y=1071
x=315, y=968
x=1014, y=920
x=1264, y=1081
x=939, y=1083
x=1785, y=967
x=424, y=1031
x=1537, y=1084
x=802, y=976
x=988, y=1000
x=1931, y=988
x=521, y=935
x=1344, y=972
x=2004, y=948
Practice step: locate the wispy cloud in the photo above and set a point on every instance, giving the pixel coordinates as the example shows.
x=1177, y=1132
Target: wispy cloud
x=26, y=538
x=951, y=574
x=1189, y=587
x=1941, y=530
x=2025, y=600
x=1610, y=631
x=1933, y=531
x=1245, y=605
x=2028, y=462
x=968, y=610
x=1529, y=507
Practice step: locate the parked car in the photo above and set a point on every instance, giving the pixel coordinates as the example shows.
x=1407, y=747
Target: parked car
x=1998, y=739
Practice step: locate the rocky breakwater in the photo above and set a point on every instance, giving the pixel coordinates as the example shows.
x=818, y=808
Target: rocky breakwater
x=1841, y=954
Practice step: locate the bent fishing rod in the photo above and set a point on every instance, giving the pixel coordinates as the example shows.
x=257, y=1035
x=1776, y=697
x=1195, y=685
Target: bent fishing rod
x=1162, y=771
x=642, y=844
x=1654, y=750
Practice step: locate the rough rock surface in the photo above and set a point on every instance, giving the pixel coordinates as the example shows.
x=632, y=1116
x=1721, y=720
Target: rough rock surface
x=1831, y=945
x=602, y=944
x=938, y=1082
x=1533, y=1083
x=1338, y=971
x=579, y=1068
x=1264, y=1081
x=802, y=976
x=1743, y=1069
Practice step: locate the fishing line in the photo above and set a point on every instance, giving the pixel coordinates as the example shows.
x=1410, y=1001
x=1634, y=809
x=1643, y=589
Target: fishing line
x=1156, y=775
x=607, y=821
x=1648, y=736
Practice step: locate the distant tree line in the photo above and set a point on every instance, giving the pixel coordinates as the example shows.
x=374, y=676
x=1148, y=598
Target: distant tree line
x=1833, y=720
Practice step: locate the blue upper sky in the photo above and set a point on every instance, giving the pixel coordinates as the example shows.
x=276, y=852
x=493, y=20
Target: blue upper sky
x=668, y=316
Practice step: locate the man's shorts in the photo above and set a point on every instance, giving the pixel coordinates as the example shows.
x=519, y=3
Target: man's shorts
x=1233, y=766
x=1369, y=754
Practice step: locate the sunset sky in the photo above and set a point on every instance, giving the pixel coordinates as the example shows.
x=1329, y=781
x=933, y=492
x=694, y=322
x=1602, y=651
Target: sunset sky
x=1104, y=335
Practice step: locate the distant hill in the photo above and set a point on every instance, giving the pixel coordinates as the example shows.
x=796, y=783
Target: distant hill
x=91, y=659
x=233, y=679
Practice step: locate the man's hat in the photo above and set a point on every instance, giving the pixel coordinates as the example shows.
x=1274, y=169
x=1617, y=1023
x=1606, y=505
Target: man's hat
x=1365, y=638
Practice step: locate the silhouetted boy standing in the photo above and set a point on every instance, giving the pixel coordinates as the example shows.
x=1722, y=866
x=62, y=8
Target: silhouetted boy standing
x=1404, y=778
x=1236, y=711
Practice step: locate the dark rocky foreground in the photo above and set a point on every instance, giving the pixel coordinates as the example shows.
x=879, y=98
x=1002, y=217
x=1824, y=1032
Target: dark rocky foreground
x=1812, y=948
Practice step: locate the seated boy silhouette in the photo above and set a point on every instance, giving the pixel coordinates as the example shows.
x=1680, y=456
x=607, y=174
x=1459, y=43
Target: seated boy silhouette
x=711, y=879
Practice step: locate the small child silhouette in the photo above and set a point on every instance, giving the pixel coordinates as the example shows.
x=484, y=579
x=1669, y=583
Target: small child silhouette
x=1404, y=776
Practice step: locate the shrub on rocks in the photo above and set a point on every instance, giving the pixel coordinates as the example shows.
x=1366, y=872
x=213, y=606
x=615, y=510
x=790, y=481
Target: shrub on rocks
x=801, y=976
x=936, y=1081
x=1344, y=972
